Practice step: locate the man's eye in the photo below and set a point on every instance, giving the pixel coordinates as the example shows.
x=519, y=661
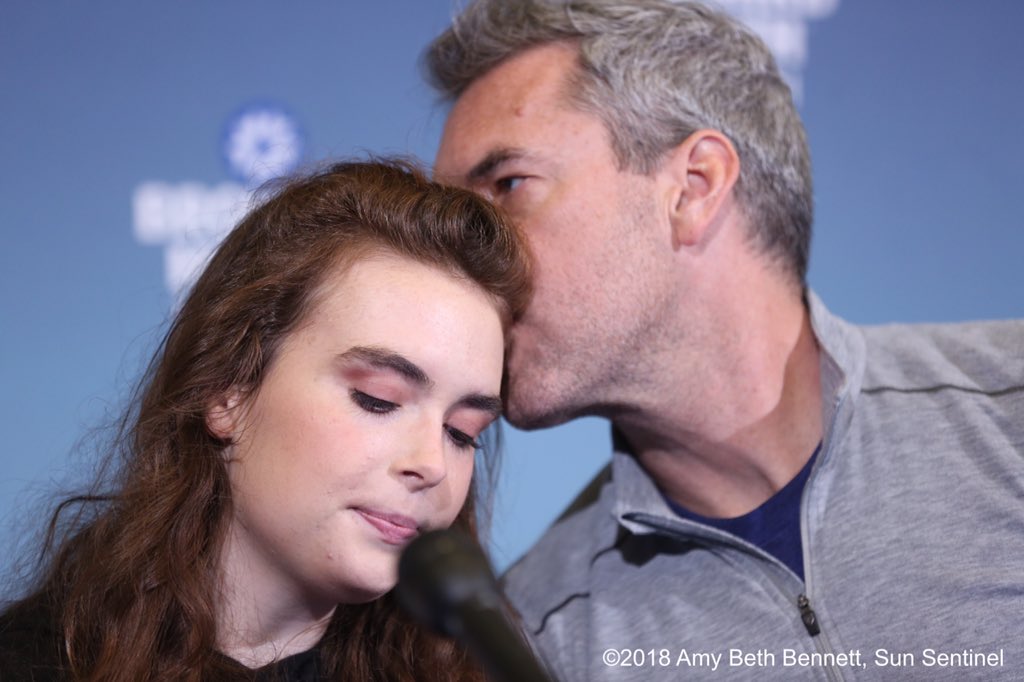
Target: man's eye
x=461, y=439
x=507, y=184
x=371, y=403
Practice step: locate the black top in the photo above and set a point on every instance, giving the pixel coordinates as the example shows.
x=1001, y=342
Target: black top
x=29, y=646
x=31, y=651
x=301, y=667
x=774, y=526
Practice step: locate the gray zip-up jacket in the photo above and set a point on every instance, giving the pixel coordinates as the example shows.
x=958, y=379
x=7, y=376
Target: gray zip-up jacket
x=912, y=524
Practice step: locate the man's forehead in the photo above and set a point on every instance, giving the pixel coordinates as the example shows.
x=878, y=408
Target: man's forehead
x=513, y=95
x=522, y=77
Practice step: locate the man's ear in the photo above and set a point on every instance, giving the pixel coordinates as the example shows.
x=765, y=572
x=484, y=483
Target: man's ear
x=223, y=415
x=700, y=173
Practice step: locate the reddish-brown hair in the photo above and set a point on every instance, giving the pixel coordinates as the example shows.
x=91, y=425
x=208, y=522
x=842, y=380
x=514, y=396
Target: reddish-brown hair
x=134, y=589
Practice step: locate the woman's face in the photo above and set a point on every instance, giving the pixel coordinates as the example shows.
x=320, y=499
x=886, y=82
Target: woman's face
x=362, y=434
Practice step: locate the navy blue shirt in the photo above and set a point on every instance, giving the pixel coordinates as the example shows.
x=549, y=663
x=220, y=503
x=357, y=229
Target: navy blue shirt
x=774, y=526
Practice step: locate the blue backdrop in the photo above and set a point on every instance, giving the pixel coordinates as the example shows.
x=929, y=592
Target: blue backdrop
x=129, y=131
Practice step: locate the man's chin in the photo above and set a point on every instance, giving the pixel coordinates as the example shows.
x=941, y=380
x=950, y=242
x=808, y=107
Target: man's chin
x=534, y=407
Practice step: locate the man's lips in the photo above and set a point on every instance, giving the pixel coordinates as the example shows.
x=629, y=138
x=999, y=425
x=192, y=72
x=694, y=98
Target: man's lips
x=395, y=529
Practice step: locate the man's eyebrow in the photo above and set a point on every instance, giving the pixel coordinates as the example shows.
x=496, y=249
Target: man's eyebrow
x=388, y=359
x=489, y=163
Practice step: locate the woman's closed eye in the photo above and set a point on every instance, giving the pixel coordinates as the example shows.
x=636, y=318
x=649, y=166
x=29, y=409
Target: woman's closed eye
x=371, y=403
x=374, y=405
x=461, y=438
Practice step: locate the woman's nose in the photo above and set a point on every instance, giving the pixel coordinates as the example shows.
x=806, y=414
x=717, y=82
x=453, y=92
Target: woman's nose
x=423, y=464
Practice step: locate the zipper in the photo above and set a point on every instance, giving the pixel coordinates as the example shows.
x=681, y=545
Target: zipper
x=821, y=643
x=803, y=602
x=808, y=616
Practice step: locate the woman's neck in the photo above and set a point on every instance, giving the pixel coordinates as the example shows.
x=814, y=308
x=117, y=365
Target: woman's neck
x=257, y=621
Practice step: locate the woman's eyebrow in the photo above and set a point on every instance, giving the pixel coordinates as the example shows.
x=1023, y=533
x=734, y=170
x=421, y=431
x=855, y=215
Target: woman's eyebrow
x=384, y=358
x=486, y=403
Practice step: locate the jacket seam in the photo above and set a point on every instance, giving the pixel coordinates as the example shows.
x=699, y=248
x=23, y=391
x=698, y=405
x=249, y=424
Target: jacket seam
x=944, y=387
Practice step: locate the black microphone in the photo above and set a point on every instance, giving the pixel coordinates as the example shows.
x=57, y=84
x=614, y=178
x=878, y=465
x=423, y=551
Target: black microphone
x=445, y=582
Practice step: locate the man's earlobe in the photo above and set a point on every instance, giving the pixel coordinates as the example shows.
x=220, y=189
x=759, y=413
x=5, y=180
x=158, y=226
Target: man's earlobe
x=703, y=171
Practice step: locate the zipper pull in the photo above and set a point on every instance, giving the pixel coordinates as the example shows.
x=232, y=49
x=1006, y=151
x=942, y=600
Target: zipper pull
x=807, y=615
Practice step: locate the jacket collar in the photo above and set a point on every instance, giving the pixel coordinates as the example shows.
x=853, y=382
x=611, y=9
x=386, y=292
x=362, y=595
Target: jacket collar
x=842, y=369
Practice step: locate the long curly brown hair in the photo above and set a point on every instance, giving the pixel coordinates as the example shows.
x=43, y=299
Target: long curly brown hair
x=132, y=578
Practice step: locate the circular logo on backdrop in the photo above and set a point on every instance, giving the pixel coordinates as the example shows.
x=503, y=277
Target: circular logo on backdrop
x=261, y=142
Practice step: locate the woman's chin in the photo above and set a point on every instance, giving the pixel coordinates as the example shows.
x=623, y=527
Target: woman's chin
x=364, y=592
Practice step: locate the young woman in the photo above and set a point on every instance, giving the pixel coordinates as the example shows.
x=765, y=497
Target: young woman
x=316, y=404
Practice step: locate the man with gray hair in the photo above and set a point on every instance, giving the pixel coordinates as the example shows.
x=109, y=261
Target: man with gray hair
x=790, y=495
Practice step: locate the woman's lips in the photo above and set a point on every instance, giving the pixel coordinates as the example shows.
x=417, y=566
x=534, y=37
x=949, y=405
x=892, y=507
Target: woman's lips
x=395, y=529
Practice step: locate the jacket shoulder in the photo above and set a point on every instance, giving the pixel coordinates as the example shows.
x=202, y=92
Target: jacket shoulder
x=555, y=571
x=983, y=357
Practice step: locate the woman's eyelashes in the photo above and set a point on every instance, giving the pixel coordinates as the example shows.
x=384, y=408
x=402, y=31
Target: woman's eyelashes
x=461, y=438
x=371, y=403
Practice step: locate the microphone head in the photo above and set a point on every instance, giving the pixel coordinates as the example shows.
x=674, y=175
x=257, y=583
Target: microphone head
x=440, y=572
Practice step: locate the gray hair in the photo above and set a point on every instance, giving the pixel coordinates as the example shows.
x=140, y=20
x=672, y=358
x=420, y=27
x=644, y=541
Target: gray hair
x=655, y=71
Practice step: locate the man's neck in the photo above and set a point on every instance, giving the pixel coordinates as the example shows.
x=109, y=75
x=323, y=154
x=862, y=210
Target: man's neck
x=748, y=434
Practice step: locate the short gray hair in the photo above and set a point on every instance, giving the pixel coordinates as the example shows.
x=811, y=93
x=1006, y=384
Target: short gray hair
x=655, y=71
